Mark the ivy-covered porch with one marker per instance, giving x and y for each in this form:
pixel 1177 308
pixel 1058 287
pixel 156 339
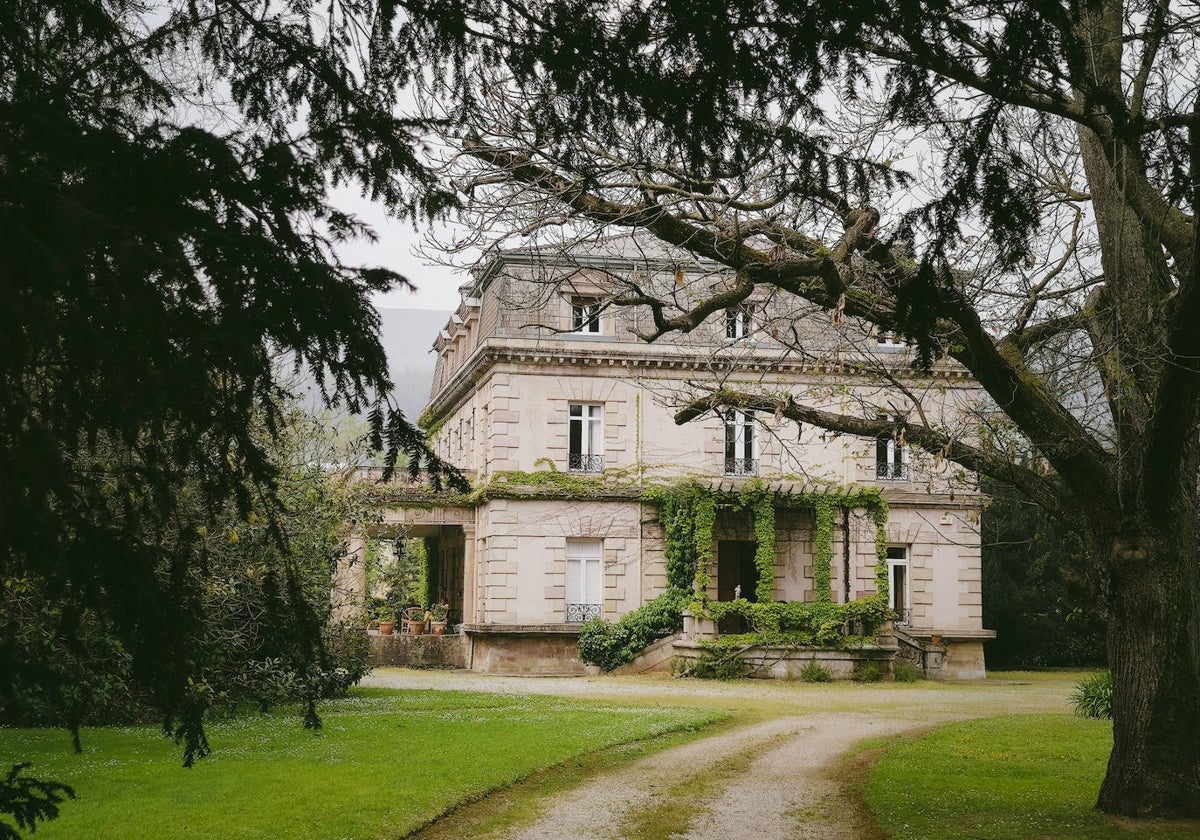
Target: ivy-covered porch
pixel 742 595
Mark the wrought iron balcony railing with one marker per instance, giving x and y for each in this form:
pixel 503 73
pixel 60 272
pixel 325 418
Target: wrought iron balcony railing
pixel 892 472
pixel 579 613
pixel 903 617
pixel 741 466
pixel 585 463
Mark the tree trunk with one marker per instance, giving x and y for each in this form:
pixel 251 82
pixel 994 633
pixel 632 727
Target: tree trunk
pixel 1154 652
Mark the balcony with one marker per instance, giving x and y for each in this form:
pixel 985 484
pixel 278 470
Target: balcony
pixel 890 472
pixel 579 613
pixel 741 466
pixel 585 463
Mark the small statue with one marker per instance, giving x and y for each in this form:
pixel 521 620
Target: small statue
pixel 737 592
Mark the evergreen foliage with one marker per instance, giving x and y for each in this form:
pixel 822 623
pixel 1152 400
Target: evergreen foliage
pixel 168 242
pixel 1037 588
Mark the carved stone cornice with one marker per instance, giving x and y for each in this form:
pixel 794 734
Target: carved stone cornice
pixel 853 369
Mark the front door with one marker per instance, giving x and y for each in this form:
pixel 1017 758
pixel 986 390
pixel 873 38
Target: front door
pixel 736 576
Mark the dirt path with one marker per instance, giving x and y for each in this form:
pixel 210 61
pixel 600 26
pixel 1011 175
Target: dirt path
pixel 597 807
pixel 773 779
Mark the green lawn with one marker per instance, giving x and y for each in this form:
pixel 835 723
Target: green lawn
pixel 1021 777
pixel 384 763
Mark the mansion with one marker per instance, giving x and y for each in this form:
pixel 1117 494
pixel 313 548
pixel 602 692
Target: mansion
pixel 564 419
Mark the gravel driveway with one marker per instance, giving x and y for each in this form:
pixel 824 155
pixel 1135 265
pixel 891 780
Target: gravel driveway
pixel 784 788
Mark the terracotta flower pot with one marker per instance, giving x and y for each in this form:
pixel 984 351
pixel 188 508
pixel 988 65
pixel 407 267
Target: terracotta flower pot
pixel 387 628
pixel 437 628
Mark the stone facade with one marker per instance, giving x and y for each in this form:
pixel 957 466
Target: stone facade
pixel 515 381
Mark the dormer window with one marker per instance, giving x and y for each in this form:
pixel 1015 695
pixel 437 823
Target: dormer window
pixel 890 339
pixel 739 321
pixel 585 315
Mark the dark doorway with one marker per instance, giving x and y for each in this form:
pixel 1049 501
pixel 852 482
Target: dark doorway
pixel 735 567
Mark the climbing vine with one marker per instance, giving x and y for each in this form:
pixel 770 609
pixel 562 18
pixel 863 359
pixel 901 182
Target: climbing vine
pixel 688 514
pixel 823 549
pixel 756 498
pixel 880 515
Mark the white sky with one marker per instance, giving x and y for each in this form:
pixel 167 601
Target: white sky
pixel 437 285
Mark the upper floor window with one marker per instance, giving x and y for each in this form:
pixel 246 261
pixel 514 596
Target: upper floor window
pixel 585 315
pixel 739 321
pixel 585 439
pixel 890 462
pixel 740 456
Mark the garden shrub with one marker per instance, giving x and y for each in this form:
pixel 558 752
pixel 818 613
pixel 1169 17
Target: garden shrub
pixel 1093 697
pixel 819 624
pixel 866 672
pixel 716 666
pixel 906 672
pixel 815 672
pixel 611 645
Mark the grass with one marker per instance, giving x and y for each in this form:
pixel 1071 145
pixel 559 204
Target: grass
pixel 1021 777
pixel 385 763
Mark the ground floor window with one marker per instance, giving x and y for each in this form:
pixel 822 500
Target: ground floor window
pixel 898 591
pixel 585 579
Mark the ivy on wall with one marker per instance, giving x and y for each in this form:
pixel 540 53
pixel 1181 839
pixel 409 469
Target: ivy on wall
pixel 763 509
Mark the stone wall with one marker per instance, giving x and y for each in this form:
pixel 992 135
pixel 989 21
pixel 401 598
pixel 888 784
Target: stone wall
pixel 424 651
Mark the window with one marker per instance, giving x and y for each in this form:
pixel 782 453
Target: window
pixel 897 566
pixel 739 321
pixel 585 579
pixel 739 444
pixel 585 445
pixel 889 338
pixel 889 452
pixel 585 315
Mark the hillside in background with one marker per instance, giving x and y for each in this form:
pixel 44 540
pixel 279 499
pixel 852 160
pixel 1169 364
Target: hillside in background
pixel 408 336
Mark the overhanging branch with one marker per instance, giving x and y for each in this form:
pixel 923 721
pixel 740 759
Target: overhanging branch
pixel 978 460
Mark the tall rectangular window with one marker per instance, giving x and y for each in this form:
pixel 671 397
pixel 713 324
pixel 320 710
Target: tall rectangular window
pixel 585 315
pixel 585 579
pixel 739 444
pixel 898 596
pixel 890 462
pixel 739 321
pixel 585 443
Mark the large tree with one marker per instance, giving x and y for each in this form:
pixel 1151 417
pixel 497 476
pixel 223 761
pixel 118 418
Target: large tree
pixel 1010 185
pixel 166 235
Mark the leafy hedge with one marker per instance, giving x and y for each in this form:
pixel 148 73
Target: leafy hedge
pixel 819 624
pixel 612 645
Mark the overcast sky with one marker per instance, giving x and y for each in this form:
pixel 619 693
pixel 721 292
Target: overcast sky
pixel 437 286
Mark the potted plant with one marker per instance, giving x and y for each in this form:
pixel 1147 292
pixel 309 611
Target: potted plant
pixel 437 619
pixel 414 620
pixel 387 620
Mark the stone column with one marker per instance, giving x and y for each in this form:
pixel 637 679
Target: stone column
pixel 350 581
pixel 470 607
